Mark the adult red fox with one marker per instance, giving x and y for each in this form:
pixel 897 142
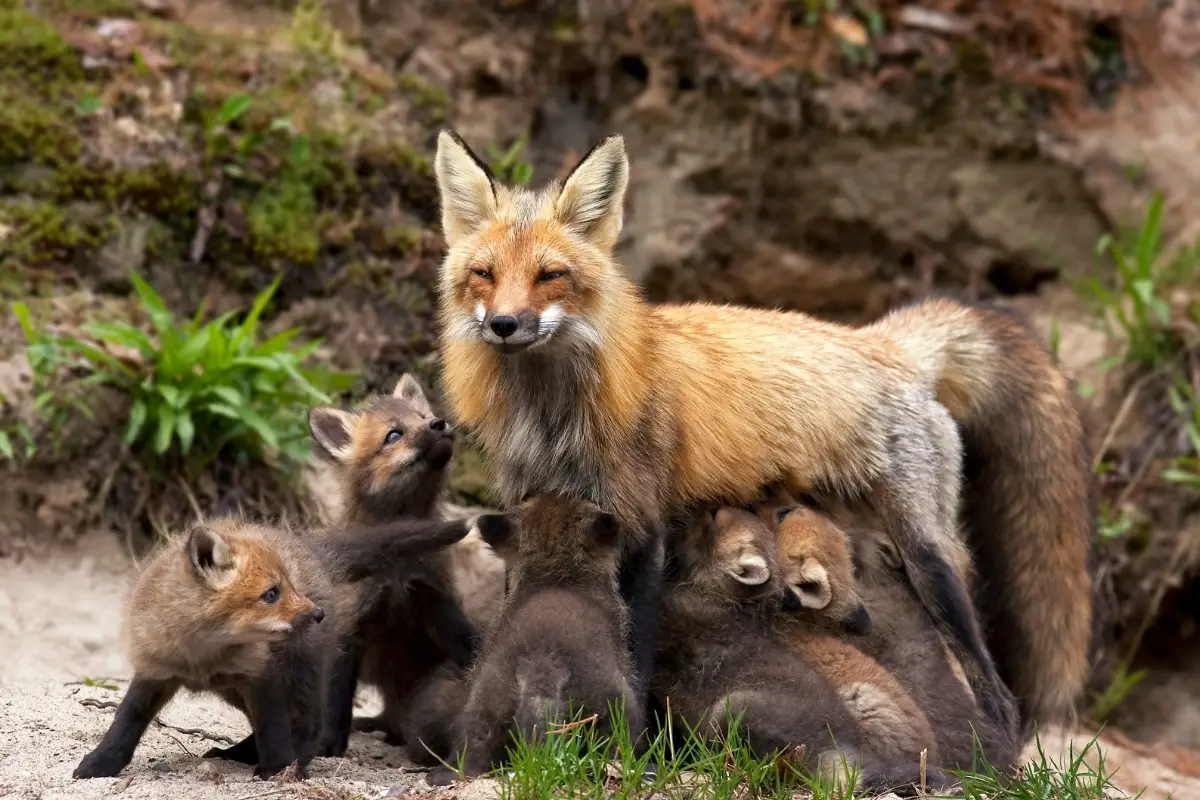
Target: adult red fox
pixel 572 382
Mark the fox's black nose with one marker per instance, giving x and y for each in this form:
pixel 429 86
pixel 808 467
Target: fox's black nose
pixel 504 326
pixel 318 614
pixel 438 425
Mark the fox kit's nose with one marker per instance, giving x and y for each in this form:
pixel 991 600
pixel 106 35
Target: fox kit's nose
pixel 317 614
pixel 438 425
pixel 504 326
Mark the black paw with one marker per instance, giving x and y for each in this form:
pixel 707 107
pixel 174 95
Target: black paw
pixel 97 764
pixel 441 776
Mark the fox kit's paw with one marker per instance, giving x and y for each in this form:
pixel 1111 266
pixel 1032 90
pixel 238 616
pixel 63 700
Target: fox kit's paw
pixel 244 752
pixel 442 776
pixel 265 771
pixel 98 764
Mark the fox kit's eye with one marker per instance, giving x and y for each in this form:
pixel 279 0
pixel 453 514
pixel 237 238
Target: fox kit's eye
pixel 550 275
pixel 271 596
pixel 393 436
pixel 481 273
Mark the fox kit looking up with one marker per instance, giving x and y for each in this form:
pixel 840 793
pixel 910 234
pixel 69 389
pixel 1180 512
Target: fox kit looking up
pixel 403 631
pixel 573 382
pixel 560 641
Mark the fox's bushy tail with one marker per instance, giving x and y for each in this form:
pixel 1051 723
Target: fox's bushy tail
pixel 1028 492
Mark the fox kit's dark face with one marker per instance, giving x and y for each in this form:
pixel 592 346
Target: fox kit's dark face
pixel 815 560
pixel 552 536
pixel 247 586
pixel 523 267
pixel 388 443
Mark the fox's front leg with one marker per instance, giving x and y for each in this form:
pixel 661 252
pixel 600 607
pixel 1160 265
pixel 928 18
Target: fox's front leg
pixel 142 702
pixel 267 703
pixel 641 589
pixel 339 698
pixel 308 681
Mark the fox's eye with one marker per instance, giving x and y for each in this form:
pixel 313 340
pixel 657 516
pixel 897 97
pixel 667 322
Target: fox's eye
pixel 393 436
pixel 482 273
pixel 271 596
pixel 550 276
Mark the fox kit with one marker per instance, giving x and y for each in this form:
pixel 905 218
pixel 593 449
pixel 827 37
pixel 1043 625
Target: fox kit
pixel 573 382
pixel 401 632
pixel 559 644
pixel 721 654
pixel 922 676
pixel 238 609
pixel 816 566
pixel 245 610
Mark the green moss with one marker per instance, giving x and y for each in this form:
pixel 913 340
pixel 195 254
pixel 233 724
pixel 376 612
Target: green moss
pixel 32 47
pixel 35 128
pixel 285 223
pixel 43 233
pixel 430 97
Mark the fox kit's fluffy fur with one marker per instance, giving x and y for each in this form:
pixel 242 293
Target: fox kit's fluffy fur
pixel 406 633
pixel 722 655
pixel 923 675
pixel 238 609
pixel 816 567
pixel 558 645
pixel 247 611
pixel 573 382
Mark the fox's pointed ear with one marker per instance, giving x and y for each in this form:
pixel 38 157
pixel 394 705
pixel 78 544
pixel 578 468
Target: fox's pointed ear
pixel 407 388
pixel 467 186
pixel 592 200
pixel 330 429
pixel 211 557
pixel 499 531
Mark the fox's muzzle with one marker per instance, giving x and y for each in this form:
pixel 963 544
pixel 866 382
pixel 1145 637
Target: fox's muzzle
pixel 512 332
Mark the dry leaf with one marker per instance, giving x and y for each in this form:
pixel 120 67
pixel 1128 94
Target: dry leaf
pixel 848 29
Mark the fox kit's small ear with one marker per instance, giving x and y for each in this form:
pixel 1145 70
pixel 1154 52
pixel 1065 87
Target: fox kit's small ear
pixel 212 560
pixel 813 589
pixel 330 429
pixel 751 569
pixel 606 529
pixel 499 531
pixel 407 388
pixel 592 200
pixel 467 186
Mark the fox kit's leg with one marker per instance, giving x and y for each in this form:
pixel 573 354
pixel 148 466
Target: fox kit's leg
pixel 908 500
pixel 339 699
pixel 268 703
pixel 641 589
pixel 308 677
pixel 449 627
pixel 143 700
pixel 244 752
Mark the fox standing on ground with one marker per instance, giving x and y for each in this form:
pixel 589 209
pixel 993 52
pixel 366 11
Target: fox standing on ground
pixel 573 382
pixel 245 610
pixel 405 633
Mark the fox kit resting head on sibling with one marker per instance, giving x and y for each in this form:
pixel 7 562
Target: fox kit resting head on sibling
pixel 574 383
pixel 559 644
pixel 239 609
pixel 405 633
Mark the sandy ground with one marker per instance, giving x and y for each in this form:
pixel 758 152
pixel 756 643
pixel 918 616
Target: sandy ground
pixel 61 620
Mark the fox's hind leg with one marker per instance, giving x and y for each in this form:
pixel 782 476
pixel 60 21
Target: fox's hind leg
pixel 910 500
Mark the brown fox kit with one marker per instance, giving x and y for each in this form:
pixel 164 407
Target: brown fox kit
pixel 573 382
pixel 401 632
pixel 243 610
pixel 721 656
pixel 915 687
pixel 820 591
pixel 559 645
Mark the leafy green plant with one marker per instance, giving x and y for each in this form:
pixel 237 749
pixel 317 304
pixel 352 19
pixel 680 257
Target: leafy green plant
pixel 1119 686
pixel 195 388
pixel 507 164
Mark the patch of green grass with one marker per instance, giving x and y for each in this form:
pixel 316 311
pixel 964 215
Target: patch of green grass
pixel 194 388
pixel 574 760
